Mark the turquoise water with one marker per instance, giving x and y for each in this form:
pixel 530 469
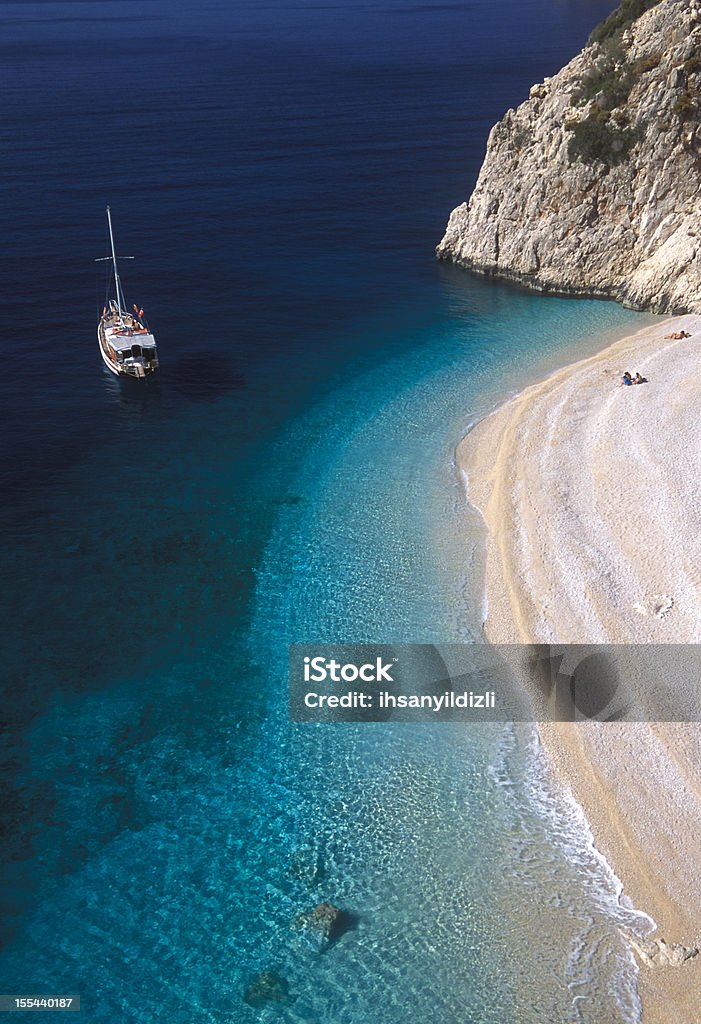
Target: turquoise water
pixel 378 544
pixel 282 171
pixel 478 887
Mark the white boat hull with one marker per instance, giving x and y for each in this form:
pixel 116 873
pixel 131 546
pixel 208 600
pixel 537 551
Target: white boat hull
pixel 131 365
pixel 105 358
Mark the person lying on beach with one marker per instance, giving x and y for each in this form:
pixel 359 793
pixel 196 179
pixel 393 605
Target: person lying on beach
pixel 678 335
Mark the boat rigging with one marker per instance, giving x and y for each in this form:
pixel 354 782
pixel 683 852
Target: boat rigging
pixel 127 346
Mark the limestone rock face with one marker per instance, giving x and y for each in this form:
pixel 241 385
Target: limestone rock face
pixel 593 185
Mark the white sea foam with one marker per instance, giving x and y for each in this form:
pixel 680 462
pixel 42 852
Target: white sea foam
pixel 556 852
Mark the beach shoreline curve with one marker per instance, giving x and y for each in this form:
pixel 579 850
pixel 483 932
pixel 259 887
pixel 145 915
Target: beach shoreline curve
pixel 586 492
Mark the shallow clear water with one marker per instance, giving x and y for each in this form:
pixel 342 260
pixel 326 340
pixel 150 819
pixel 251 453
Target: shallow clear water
pixel 283 172
pixel 381 546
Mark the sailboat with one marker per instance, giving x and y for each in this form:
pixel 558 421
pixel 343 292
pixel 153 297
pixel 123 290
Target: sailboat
pixel 127 346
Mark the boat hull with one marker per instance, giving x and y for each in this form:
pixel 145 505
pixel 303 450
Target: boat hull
pixel 105 358
pixel 133 367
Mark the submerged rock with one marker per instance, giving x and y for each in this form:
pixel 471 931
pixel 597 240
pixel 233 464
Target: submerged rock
pixel 658 953
pixel 307 865
pixel 591 187
pixel 325 924
pixel 267 987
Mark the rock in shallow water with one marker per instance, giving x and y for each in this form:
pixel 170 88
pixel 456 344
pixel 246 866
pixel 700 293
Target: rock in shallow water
pixel 658 953
pixel 325 924
pixel 307 865
pixel 266 988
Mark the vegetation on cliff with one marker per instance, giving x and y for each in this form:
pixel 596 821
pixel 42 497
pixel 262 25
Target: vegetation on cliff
pixel 619 20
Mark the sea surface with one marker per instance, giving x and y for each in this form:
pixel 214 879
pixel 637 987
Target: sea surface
pixel 281 171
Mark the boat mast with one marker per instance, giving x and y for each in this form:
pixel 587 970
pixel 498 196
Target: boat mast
pixel 114 263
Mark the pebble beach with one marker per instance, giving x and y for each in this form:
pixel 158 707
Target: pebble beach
pixel 589 492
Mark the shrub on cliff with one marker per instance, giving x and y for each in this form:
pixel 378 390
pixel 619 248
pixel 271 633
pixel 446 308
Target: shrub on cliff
pixel 645 64
pixel 620 19
pixel 597 138
pixel 612 75
pixel 615 82
pixel 685 108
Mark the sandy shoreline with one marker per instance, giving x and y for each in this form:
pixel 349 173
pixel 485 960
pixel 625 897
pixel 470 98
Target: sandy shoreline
pixel 588 492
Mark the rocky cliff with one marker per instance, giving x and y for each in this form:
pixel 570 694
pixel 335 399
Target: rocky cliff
pixel 593 185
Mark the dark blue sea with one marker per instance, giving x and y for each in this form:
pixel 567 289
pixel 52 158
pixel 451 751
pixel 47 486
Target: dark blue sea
pixel 281 171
